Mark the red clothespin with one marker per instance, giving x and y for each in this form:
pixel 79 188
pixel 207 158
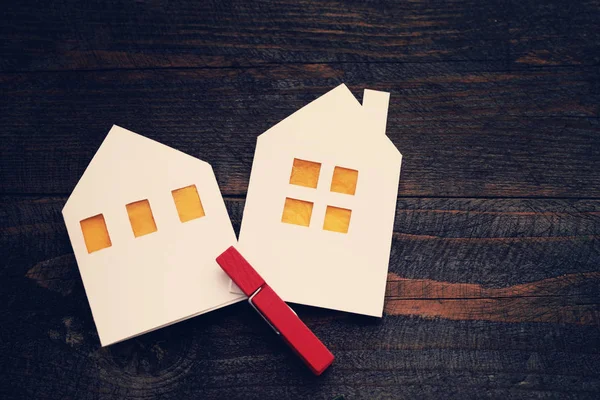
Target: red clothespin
pixel 276 312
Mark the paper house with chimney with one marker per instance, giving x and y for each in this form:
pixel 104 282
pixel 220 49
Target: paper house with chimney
pixel 321 202
pixel 146 223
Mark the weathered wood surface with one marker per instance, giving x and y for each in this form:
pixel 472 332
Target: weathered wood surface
pixel 114 34
pixel 470 313
pixel 494 282
pixel 466 129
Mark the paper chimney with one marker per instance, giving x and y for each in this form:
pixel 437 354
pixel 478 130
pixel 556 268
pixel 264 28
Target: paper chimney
pixel 321 202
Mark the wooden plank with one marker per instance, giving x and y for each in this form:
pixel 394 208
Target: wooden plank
pixel 553 33
pixel 523 325
pixel 465 129
pixel 442 248
pixel 52 352
pixel 494 242
pixel 112 34
pixel 231 352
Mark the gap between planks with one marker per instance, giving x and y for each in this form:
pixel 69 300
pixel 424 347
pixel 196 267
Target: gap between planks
pixel 512 66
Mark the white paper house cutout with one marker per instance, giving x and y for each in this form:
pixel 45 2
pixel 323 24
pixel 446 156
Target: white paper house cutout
pixel 139 284
pixel 311 265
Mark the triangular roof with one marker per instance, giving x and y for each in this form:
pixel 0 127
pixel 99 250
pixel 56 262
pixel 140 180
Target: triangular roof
pixel 337 115
pixel 124 157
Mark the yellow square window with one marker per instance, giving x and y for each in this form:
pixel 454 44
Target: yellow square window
pixel 188 203
pixel 344 180
pixel 297 212
pixel 305 173
pixel 95 234
pixel 141 218
pixel 337 219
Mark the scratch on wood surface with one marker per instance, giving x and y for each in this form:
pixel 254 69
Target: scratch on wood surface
pixel 547 300
pixel 543 57
pixel 57 274
pixel 70 332
pixel 498 239
pixel 561 299
pixel 72 335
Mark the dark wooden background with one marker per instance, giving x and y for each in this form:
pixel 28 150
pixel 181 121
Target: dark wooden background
pixel 494 283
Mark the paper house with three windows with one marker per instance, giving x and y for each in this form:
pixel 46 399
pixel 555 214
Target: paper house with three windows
pixel 146 223
pixel 321 202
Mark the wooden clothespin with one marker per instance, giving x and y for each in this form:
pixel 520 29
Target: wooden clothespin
pixel 276 312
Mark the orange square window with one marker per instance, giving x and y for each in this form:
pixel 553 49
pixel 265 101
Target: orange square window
pixel 305 173
pixel 337 219
pixel 297 212
pixel 141 218
pixel 188 203
pixel 95 233
pixel 344 180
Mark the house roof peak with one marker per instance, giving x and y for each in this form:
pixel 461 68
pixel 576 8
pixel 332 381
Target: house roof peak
pixel 375 104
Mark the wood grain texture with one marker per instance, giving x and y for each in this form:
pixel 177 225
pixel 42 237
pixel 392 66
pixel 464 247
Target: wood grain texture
pixel 493 290
pixel 500 317
pixel 157 34
pixel 466 129
pixel 540 301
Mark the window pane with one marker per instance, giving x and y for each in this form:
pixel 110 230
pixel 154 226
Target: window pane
pixel 337 219
pixel 305 173
pixel 141 218
pixel 95 233
pixel 344 180
pixel 297 212
pixel 188 203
